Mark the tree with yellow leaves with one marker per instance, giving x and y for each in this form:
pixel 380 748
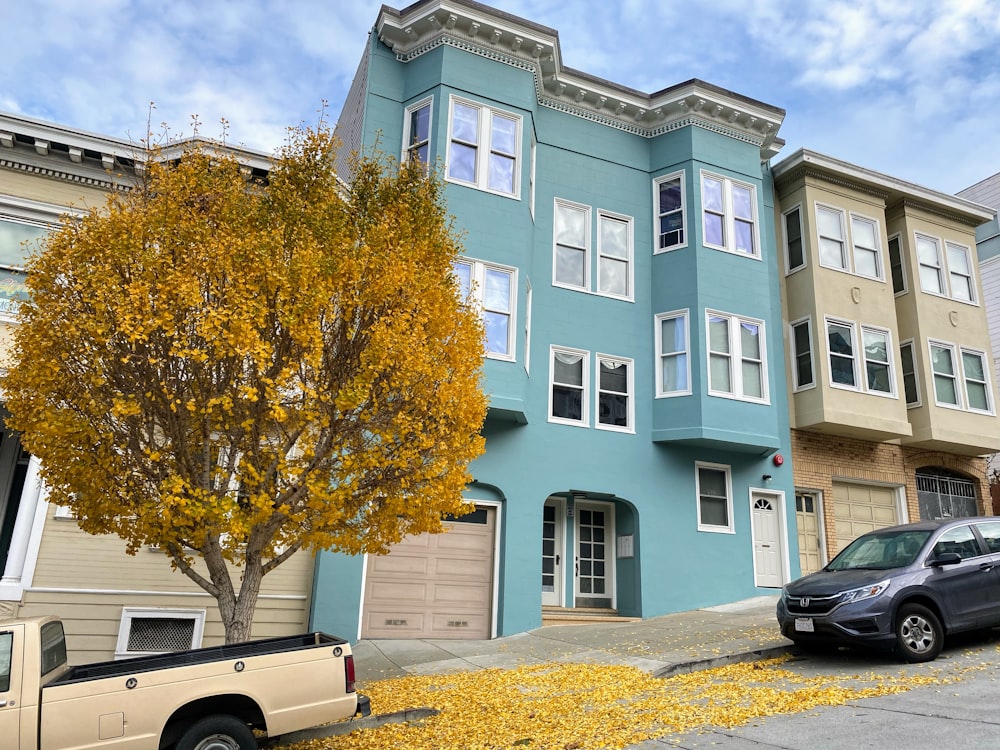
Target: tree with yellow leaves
pixel 239 369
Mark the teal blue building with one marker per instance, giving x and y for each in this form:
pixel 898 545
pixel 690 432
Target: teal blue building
pixel 622 248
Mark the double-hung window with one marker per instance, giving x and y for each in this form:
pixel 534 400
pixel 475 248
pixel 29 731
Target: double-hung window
pixel 715 498
pixel 673 376
pixel 977 385
pixel 668 197
pixel 950 275
pixel 929 259
pixel 795 257
pixel 571 261
pixel 943 366
pixel 729 215
pixel 483 147
pixel 417 132
pixel 961 377
pixel 614 255
pixel 736 357
pixel 492 288
pixel 843 356
pixel 865 256
pixel 615 405
pixel 568 386
pixel 896 264
pixel 802 357
pixel 960 272
pixel 878 362
pixel 911 387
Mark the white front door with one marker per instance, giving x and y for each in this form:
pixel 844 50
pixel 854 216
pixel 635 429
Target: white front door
pixel 553 520
pixel 594 574
pixel 766 541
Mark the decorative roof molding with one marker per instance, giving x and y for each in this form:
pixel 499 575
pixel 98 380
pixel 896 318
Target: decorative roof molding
pixel 896 193
pixel 514 41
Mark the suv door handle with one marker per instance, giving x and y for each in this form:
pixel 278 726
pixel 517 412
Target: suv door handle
pixel 985 566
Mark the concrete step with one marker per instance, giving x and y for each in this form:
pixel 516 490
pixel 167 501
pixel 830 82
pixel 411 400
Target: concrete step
pixel 581 615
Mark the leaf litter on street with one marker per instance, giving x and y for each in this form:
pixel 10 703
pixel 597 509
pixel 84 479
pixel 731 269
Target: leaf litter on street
pixel 599 706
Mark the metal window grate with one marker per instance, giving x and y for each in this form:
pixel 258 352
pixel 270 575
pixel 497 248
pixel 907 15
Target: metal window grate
pixel 158 634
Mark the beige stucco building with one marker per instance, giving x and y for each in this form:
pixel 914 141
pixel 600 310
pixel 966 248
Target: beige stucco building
pixel 113 605
pixel 892 399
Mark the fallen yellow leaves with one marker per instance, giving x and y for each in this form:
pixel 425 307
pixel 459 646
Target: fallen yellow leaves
pixel 589 706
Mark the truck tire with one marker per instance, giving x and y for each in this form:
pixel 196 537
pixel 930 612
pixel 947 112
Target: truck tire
pixel 218 732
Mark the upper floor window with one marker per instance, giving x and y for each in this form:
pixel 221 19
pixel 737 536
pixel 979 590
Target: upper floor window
pixel 949 276
pixel 568 386
pixel 864 258
pixel 896 265
pixel 483 147
pixel 843 359
pixel 492 288
pixel 961 377
pixel 615 405
pixel 571 261
pixel 17 238
pixel 729 215
pixel 668 193
pixel 874 361
pixel 673 376
pixel 878 362
pixel 736 357
pixel 794 251
pixel 417 132
pixel 911 387
pixel 802 357
pixel 715 498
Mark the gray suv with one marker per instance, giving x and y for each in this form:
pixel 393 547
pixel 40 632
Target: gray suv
pixel 902 587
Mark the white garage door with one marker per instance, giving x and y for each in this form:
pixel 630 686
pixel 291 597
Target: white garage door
pixel 859 508
pixel 434 585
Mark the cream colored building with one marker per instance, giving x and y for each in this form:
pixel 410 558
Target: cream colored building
pixel 892 398
pixel 113 605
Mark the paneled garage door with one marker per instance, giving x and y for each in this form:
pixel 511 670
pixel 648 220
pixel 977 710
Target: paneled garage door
pixel 434 585
pixel 859 508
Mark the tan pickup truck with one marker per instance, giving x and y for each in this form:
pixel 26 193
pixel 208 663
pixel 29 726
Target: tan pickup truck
pixel 222 698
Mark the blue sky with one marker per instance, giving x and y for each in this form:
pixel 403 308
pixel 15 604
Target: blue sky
pixel 905 87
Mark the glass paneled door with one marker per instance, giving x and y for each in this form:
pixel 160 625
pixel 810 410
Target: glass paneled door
pixel 594 575
pixel 553 520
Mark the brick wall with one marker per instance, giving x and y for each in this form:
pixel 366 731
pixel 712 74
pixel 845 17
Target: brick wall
pixel 819 459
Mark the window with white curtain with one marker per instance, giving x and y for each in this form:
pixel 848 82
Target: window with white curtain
pixel 673 376
pixel 615 407
pixel 736 357
pixel 571 258
pixel 568 386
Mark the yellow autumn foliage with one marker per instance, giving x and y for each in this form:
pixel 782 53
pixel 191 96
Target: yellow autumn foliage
pixel 239 368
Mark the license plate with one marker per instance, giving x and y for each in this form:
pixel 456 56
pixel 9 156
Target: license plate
pixel 804 625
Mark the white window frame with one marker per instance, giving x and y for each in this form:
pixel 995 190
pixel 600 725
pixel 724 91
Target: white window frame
pixel 736 357
pixel 987 382
pixel 484 145
pixel 527 325
pixel 898 238
pixel 938 267
pixel 969 280
pixel 852 326
pixel 683 315
pixel 629 223
pixel 912 346
pixel 130 614
pixel 888 364
pixel 477 274
pixel 427 102
pixel 877 250
pixel 560 203
pixel 728 215
pixel 956 374
pixel 712 528
pixel 680 177
pixel 584 420
pixel 785 216
pixel 821 208
pixel 807 322
pixel 849 245
pixel 629 394
pixel 532 157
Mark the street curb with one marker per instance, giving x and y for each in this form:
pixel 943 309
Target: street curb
pixel 720 661
pixel 343 727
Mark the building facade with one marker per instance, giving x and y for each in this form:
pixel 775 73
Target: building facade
pixel 621 247
pixel 112 605
pixel 891 377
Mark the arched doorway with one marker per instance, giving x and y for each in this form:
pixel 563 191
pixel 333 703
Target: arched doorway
pixel 942 493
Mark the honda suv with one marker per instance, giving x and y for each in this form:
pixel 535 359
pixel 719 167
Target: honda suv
pixel 903 587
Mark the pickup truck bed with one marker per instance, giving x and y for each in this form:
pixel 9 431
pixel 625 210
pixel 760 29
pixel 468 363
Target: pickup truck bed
pixel 102 669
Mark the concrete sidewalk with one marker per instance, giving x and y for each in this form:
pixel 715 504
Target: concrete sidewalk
pixel 660 645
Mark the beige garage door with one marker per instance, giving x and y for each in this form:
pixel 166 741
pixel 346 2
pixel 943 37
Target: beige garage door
pixel 859 508
pixel 434 585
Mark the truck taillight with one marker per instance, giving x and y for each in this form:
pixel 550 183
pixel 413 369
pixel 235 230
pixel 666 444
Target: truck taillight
pixel 349 673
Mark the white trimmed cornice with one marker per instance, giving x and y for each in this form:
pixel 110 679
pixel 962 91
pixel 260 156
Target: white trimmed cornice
pixel 514 41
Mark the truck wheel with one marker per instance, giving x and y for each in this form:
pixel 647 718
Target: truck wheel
pixel 219 732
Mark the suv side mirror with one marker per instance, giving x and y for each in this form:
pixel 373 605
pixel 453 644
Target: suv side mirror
pixel 945 558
